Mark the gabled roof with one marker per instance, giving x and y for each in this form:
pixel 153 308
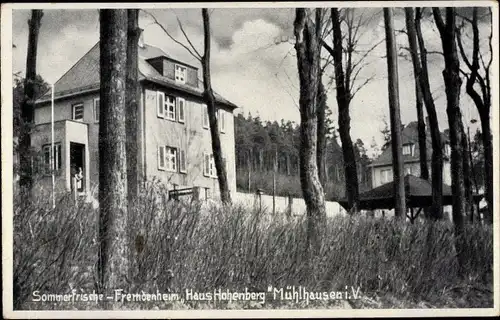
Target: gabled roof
pixel 84 76
pixel 408 136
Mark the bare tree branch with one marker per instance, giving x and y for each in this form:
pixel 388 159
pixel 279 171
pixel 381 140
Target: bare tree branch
pixel 367 80
pixel 170 36
pixel 367 52
pixel 187 38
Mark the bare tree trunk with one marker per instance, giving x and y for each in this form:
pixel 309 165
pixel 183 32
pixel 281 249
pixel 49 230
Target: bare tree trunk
pixel 321 110
pixel 482 102
pixel 488 162
pixel 417 73
pixel 113 262
pixel 467 175
pixel 249 162
pixel 133 95
pixel 343 100
pixel 307 34
pixel 28 105
pixel 212 110
pixel 437 149
pixel 453 82
pixel 397 156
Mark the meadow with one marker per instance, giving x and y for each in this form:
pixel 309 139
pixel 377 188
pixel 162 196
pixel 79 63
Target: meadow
pixel 179 245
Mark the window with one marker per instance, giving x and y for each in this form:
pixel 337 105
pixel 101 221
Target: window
pixel 182 161
pixel 170 108
pixel 180 73
pixel 407 170
pixel 47 158
pixel 209 166
pixel 78 112
pixel 181 110
pixel 160 104
pixel 167 159
pixel 447 149
pixel 97 104
pixel 385 175
pixel 206 123
pixel 222 121
pixel 171 159
pixel 161 158
pixel 408 149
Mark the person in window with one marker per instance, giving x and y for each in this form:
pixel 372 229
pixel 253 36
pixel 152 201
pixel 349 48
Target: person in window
pixel 79 179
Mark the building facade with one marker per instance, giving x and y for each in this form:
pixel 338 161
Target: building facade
pixel 174 141
pixel 382 166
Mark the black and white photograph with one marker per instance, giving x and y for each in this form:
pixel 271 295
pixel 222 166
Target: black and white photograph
pixel 244 160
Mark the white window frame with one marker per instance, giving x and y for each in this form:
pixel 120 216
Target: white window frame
pixel 170 107
pixel 160 105
pixel 222 120
pixel 96 109
pixel 408 149
pixel 180 73
pixel 182 161
pixel 204 116
pixel 211 171
pixel 57 165
pixel 181 105
pixel 171 160
pixel 161 158
pixel 73 112
pixel 385 175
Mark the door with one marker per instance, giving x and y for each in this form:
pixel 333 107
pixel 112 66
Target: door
pixel 77 163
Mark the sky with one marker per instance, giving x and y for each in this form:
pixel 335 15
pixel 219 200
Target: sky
pixel 249 66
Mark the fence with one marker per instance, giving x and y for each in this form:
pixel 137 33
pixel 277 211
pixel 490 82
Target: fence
pixel 296 206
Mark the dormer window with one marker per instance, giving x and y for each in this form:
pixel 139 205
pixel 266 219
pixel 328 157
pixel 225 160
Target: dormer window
pixel 408 149
pixel 180 73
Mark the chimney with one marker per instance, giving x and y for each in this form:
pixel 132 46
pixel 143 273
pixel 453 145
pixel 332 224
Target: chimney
pixel 141 38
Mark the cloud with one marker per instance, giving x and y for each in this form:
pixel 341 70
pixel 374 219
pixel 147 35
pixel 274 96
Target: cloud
pixel 248 68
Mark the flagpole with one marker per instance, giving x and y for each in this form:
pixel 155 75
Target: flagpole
pixel 52 149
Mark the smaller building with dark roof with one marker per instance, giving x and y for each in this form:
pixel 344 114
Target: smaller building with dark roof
pixel 382 166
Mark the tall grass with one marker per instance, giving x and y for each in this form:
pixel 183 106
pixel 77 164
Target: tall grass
pixel 182 245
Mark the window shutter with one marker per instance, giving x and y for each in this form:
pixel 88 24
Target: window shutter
pixel 160 104
pixel 161 158
pixel 181 110
pixel 213 171
pixel 206 164
pixel 58 158
pixel 97 104
pixel 206 124
pixel 182 161
pixel 222 122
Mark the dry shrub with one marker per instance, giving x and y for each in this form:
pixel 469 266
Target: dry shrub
pixel 179 245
